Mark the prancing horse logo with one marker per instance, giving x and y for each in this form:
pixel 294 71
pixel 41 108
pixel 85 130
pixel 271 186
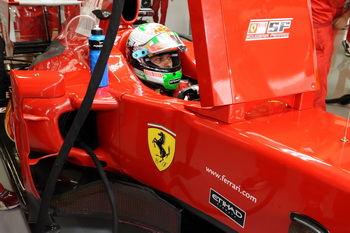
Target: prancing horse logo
pixel 161 144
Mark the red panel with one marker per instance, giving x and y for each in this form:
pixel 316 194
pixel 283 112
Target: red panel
pixel 249 53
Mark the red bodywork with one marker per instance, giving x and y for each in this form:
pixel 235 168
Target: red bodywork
pixel 254 141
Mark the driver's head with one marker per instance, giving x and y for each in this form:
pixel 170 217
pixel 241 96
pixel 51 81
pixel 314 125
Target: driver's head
pixel 162 60
pixel 152 49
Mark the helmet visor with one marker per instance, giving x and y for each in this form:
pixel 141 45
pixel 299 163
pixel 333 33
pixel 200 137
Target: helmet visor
pixel 164 42
pixel 176 62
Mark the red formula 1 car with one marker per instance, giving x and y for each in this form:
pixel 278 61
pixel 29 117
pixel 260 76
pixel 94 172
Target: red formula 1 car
pixel 252 155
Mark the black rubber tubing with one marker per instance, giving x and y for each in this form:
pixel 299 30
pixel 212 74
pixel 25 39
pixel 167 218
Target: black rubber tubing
pixel 106 184
pixel 81 116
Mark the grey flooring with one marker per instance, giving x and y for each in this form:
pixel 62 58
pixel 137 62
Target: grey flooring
pixel 11 221
pixel 339 77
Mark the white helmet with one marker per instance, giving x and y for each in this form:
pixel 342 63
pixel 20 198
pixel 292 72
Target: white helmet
pixel 153 39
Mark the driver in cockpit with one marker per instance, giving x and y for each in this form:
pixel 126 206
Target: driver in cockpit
pixel 153 52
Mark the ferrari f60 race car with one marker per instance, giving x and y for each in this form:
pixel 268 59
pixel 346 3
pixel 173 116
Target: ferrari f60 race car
pixel 252 155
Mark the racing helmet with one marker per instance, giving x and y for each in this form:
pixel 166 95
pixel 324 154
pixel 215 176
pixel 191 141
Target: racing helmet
pixel 152 39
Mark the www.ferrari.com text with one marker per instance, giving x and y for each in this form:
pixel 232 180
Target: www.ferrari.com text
pixel 226 181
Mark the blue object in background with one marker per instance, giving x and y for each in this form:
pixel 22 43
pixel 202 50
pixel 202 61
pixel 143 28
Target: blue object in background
pixel 95 44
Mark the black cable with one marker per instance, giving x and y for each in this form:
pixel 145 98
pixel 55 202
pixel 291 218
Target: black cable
pixel 105 183
pixel 82 113
pixel 343 100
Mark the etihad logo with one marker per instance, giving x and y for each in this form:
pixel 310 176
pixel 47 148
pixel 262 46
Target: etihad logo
pixel 227 207
pixel 266 29
pixel 161 144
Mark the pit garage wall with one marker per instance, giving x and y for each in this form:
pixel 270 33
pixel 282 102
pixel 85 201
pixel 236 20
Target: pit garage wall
pixel 178 18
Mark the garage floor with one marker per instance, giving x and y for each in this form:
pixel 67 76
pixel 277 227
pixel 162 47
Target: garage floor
pixel 13 221
pixel 339 77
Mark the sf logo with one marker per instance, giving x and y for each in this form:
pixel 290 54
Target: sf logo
pixel 278 26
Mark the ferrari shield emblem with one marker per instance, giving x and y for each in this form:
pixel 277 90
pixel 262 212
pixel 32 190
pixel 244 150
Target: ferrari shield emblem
pixel 161 144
